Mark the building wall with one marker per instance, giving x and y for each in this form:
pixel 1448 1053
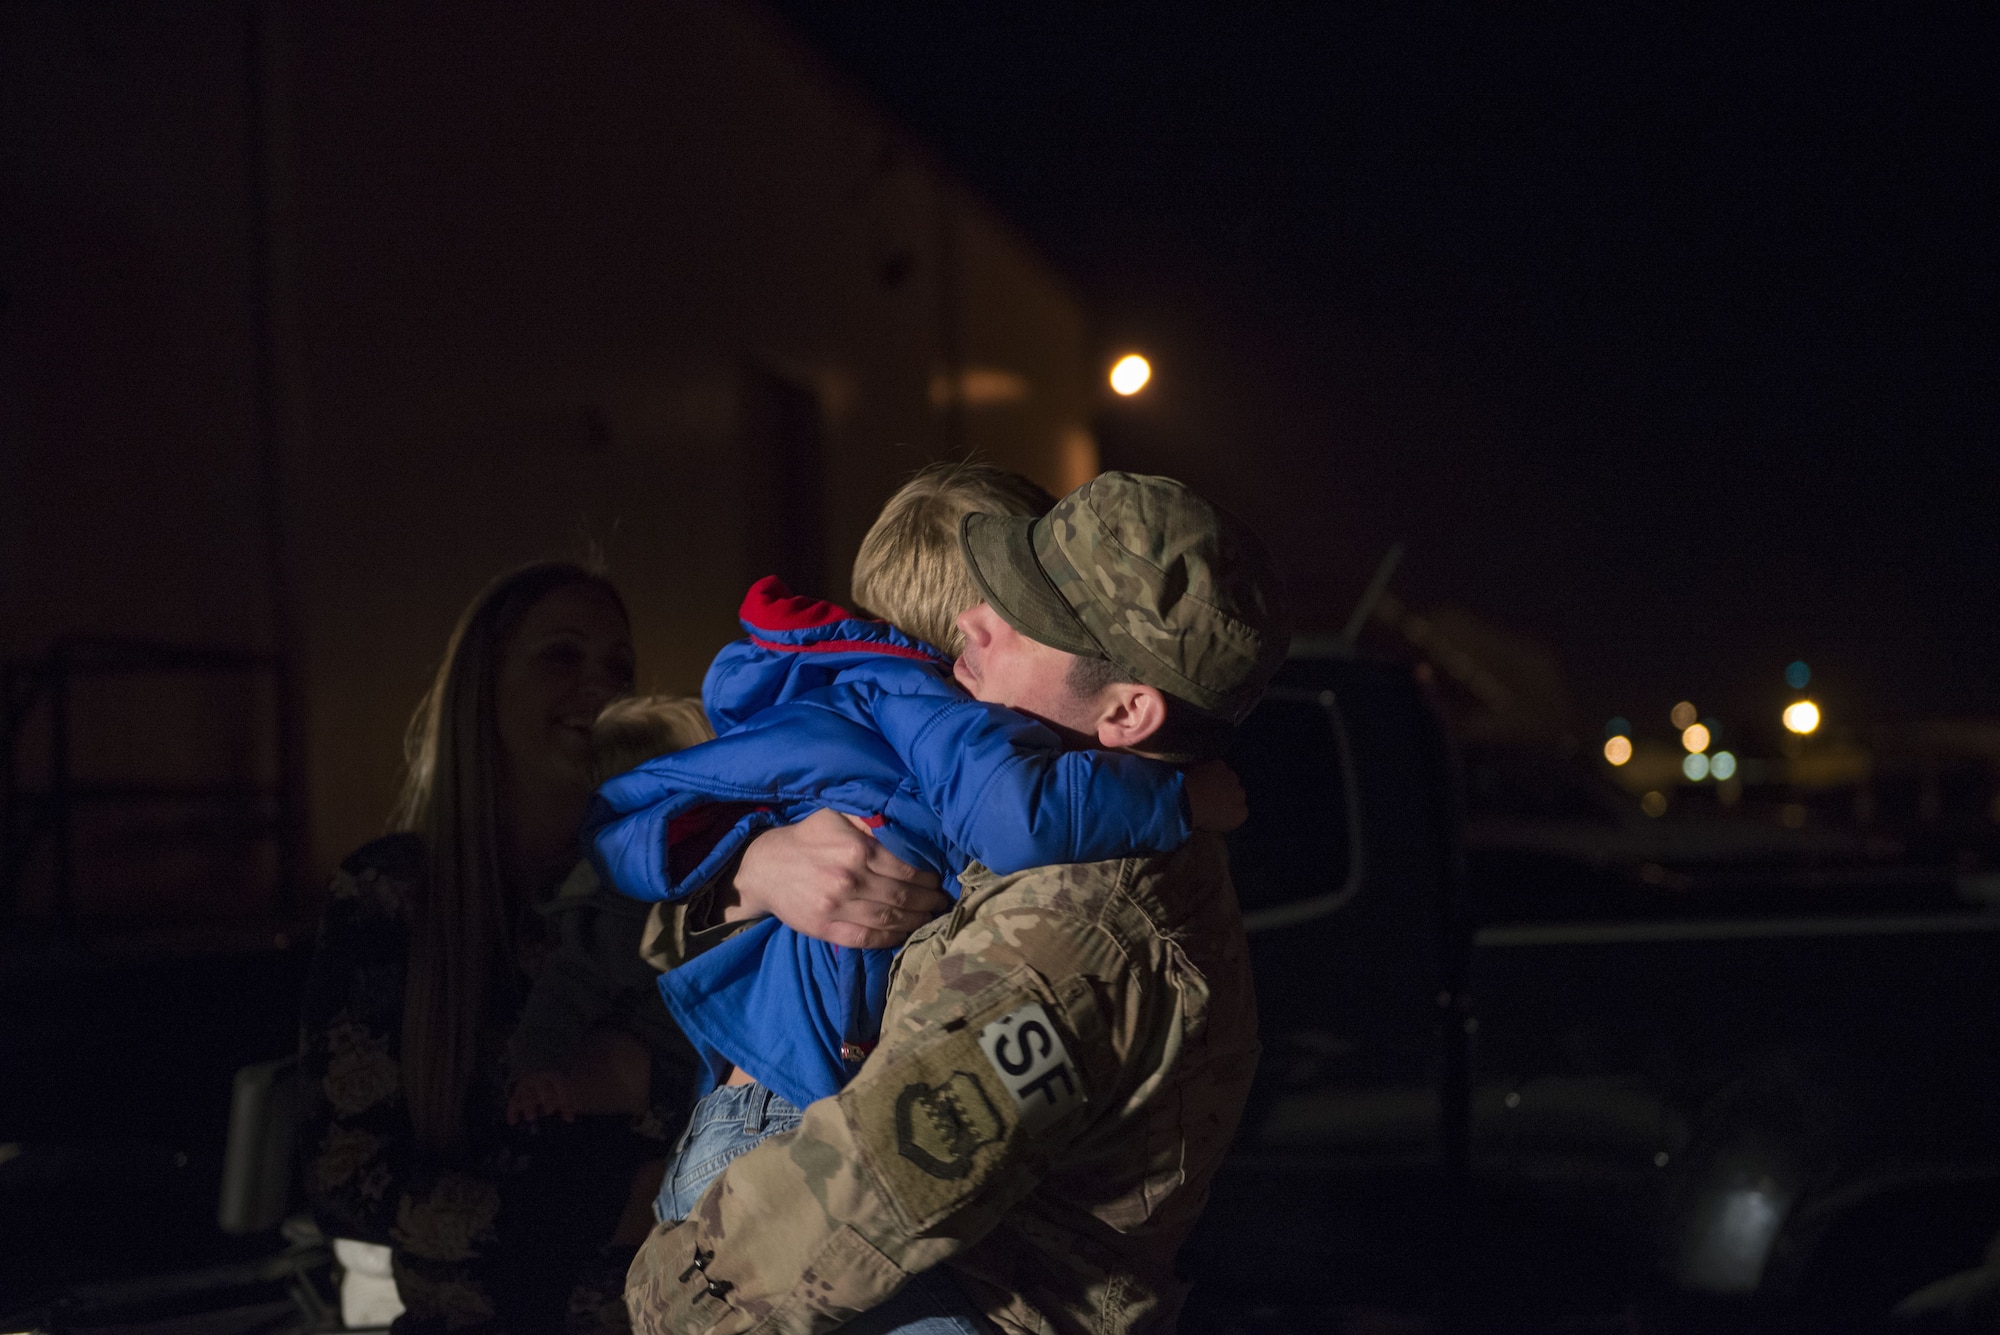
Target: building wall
pixel 541 285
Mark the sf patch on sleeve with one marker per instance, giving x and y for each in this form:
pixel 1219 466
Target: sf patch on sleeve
pixel 1028 1056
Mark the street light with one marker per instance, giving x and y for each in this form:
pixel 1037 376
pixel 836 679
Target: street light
pixel 1130 374
pixel 1801 717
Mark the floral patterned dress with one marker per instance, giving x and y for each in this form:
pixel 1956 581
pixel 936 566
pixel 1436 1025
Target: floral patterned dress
pixel 508 1236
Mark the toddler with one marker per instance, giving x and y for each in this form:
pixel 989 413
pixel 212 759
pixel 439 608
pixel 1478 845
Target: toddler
pixel 596 971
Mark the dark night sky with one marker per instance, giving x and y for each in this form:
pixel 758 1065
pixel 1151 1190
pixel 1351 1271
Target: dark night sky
pixel 1670 341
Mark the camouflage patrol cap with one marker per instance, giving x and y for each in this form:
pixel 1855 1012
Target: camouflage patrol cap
pixel 1141 571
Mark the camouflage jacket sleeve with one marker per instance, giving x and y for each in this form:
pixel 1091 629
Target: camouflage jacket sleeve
pixel 995 1057
pixel 676 932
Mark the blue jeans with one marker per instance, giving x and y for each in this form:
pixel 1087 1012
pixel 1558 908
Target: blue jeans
pixel 730 1119
pixel 726 1122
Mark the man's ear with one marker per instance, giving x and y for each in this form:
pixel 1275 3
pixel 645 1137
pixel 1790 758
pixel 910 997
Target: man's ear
pixel 1131 714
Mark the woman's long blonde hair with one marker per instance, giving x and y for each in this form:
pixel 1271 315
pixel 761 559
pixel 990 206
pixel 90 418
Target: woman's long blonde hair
pixel 462 935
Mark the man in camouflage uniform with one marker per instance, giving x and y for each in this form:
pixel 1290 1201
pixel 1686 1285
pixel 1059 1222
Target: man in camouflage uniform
pixel 1066 1053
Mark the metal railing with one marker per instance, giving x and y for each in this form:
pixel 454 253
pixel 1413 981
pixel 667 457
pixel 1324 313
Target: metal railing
pixel 38 814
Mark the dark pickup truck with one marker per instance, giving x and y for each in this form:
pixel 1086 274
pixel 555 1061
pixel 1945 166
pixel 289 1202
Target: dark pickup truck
pixel 1480 1107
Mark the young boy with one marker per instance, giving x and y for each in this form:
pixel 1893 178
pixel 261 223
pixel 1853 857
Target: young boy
pixel 596 970
pixel 819 708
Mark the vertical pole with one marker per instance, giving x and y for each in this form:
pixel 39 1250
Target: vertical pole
pixel 291 813
pixel 59 791
pixel 1455 1130
pixel 1458 1233
pixel 10 787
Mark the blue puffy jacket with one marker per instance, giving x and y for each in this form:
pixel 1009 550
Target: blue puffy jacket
pixel 819 708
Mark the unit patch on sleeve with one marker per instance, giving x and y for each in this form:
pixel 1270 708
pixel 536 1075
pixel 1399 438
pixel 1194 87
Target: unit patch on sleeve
pixel 1029 1057
pixel 941 1128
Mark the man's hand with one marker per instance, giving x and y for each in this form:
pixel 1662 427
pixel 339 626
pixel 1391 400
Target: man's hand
pixel 828 878
pixel 1215 797
pixel 540 1094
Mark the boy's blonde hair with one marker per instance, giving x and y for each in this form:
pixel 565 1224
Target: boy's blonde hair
pixel 639 727
pixel 910 571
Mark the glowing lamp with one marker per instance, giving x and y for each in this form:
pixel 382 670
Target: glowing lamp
pixel 1618 749
pixel 1695 738
pixel 1801 717
pixel 1130 374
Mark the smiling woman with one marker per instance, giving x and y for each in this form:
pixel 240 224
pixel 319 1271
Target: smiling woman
pixel 500 775
pixel 432 939
pixel 571 655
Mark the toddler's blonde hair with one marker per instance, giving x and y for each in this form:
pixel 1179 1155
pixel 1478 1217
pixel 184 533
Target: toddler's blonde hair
pixel 910 571
pixel 639 727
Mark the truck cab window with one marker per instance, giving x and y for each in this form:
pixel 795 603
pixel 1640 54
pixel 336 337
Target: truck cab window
pixel 1295 857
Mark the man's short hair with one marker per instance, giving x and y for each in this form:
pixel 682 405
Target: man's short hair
pixel 1140 573
pixel 910 570
pixel 1186 736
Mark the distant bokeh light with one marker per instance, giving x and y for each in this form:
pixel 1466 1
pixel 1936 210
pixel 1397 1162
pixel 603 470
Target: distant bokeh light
pixel 1695 737
pixel 1130 374
pixel 1618 749
pixel 1802 716
pixel 1684 714
pixel 1618 727
pixel 1798 676
pixel 1654 804
pixel 1695 766
pixel 1722 765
